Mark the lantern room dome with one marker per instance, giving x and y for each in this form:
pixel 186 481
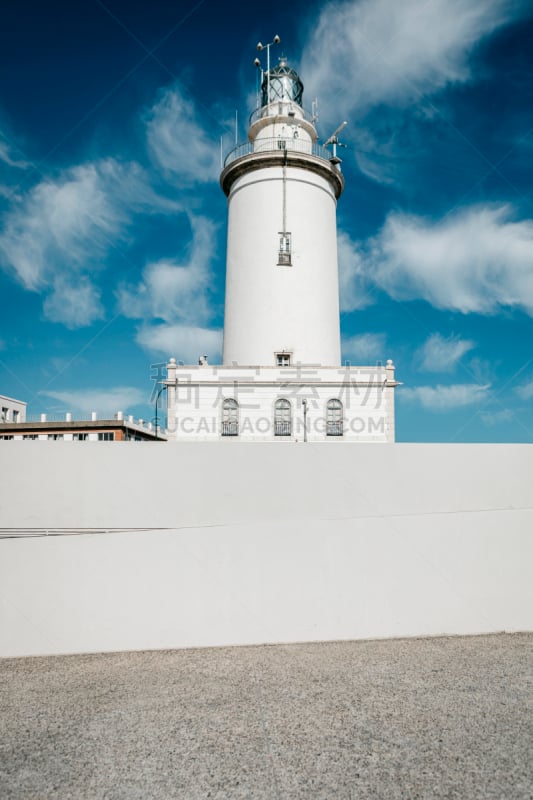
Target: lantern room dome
pixel 281 83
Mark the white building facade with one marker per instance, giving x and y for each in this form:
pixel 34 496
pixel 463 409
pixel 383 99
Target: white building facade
pixel 12 410
pixel 281 375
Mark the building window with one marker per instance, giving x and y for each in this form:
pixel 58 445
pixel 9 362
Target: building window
pixel 4 414
pixel 284 255
pixel 31 436
pixel 55 436
pixel 80 437
pixel 283 359
pixel 6 436
pixel 230 417
pixel 106 436
pixel 282 418
pixel 334 421
pixel 16 415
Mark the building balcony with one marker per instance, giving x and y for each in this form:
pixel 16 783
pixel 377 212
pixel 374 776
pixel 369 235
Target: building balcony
pixel 230 428
pixel 282 428
pixel 334 428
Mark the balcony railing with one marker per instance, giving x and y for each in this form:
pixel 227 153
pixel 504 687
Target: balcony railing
pixel 334 428
pixel 282 428
pixel 230 428
pixel 274 145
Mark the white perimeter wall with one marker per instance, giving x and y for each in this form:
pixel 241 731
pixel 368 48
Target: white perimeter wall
pixel 260 543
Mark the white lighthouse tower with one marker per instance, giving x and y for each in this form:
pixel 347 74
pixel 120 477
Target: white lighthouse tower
pixel 282 289
pixel 281 376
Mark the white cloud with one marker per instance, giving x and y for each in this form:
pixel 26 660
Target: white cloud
pixel 353 280
pixel 374 52
pixel 525 392
pixel 441 354
pixel 178 141
pixel 491 418
pixel 58 235
pixel 174 291
pixel 74 303
pixel 366 348
pixel 476 260
pixel 177 292
pixel 445 398
pixel 184 342
pixel 106 402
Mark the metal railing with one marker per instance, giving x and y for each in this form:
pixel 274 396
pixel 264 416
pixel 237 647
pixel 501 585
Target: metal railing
pixel 274 145
pixel 282 428
pixel 334 428
pixel 230 428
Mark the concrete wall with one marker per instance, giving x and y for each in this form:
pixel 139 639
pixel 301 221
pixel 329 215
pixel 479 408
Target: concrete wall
pixel 261 543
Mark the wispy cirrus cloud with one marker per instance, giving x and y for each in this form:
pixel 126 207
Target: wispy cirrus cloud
pixel 441 354
pixel 184 342
pixel 178 140
pixel 445 398
pixel 383 52
pixel 55 239
pixel 9 157
pixel 177 292
pixel 175 289
pixel 475 260
pixel 364 348
pixel 381 63
pixel 354 283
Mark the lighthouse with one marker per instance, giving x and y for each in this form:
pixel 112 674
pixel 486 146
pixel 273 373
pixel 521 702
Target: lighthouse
pixel 282 287
pixel 281 377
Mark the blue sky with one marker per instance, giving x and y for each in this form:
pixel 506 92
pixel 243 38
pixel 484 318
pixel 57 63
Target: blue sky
pixel 112 222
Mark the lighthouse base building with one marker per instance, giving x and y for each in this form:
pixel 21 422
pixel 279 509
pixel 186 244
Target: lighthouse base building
pixel 298 403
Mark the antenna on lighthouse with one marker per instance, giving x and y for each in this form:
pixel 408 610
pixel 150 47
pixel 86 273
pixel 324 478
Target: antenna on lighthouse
pixel 260 46
pixel 334 140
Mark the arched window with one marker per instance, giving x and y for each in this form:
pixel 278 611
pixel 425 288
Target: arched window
pixel 230 417
pixel 282 418
pixel 334 422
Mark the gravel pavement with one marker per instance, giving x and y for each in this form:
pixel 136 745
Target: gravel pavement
pixel 412 718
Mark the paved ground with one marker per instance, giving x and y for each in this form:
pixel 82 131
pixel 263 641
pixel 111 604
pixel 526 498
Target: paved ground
pixel 426 718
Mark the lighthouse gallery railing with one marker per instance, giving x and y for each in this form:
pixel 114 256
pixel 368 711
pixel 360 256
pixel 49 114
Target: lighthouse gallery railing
pixel 275 145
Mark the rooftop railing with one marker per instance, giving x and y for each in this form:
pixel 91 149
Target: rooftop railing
pixel 275 145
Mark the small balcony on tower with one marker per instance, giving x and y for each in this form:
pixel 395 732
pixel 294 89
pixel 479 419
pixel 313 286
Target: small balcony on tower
pixel 278 144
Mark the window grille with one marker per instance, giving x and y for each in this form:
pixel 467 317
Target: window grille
pixel 334 421
pixel 282 418
pixel 230 417
pixel 106 436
